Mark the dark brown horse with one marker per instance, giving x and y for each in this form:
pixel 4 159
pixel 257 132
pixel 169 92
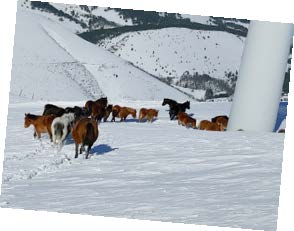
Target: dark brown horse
pixel 96 109
pixel 115 110
pixel 50 109
pixel 107 113
pixel 42 124
pixel 85 133
pixel 78 111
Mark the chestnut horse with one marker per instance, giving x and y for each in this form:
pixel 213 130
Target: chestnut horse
pixel 186 120
pixel 42 124
pixel 148 113
pixel 210 126
pixel 214 119
pixel 85 133
pixel 125 111
pixel 222 119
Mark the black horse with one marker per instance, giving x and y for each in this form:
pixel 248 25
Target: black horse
pixel 78 111
pixel 175 107
pixel 50 109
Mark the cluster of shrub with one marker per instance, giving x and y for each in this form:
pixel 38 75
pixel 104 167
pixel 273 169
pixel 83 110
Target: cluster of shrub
pixel 214 88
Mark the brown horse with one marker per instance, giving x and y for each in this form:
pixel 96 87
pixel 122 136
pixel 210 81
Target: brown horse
pixel 42 124
pixel 125 111
pixel 107 113
pixel 186 120
pixel 96 109
pixel 85 133
pixel 223 121
pixel 148 113
pixel 210 126
pixel 217 117
pixel 115 111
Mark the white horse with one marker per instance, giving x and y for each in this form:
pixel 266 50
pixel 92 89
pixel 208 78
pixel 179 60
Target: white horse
pixel 61 127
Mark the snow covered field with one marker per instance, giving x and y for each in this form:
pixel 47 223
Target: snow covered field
pixel 159 171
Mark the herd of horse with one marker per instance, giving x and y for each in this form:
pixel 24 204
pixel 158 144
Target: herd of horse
pixel 82 122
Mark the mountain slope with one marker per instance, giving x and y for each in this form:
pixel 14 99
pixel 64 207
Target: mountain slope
pixel 52 63
pixel 117 78
pixel 170 52
pixel 42 70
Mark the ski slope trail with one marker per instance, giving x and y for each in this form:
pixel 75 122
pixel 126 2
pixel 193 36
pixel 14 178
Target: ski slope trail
pixel 159 171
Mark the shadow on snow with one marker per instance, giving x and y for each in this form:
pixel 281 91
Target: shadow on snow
pixel 101 149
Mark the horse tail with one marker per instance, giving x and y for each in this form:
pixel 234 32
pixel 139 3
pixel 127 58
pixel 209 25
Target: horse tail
pixel 58 132
pixel 89 138
pixel 194 124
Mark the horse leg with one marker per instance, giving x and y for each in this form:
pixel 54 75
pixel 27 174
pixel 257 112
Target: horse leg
pixel 149 119
pixel 38 134
pixel 50 134
pixel 77 150
pixel 88 151
pixel 172 116
pixel 152 119
pixel 82 148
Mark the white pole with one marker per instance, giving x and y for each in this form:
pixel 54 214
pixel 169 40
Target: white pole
pixel 261 75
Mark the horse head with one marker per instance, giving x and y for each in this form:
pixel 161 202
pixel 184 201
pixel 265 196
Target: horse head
pixel 170 102
pixel 27 121
pixel 134 112
pixel 187 104
pixel 103 101
pixel 164 102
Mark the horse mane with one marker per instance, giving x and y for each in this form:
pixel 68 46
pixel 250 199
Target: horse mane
pixel 187 103
pixel 172 103
pixel 32 117
pixel 102 100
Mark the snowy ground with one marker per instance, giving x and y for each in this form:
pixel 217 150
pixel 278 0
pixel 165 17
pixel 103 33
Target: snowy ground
pixel 159 171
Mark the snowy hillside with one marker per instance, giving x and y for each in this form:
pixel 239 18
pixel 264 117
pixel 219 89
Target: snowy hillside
pixel 199 19
pixel 165 45
pixel 48 59
pixel 159 171
pixel 170 52
pixel 42 70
